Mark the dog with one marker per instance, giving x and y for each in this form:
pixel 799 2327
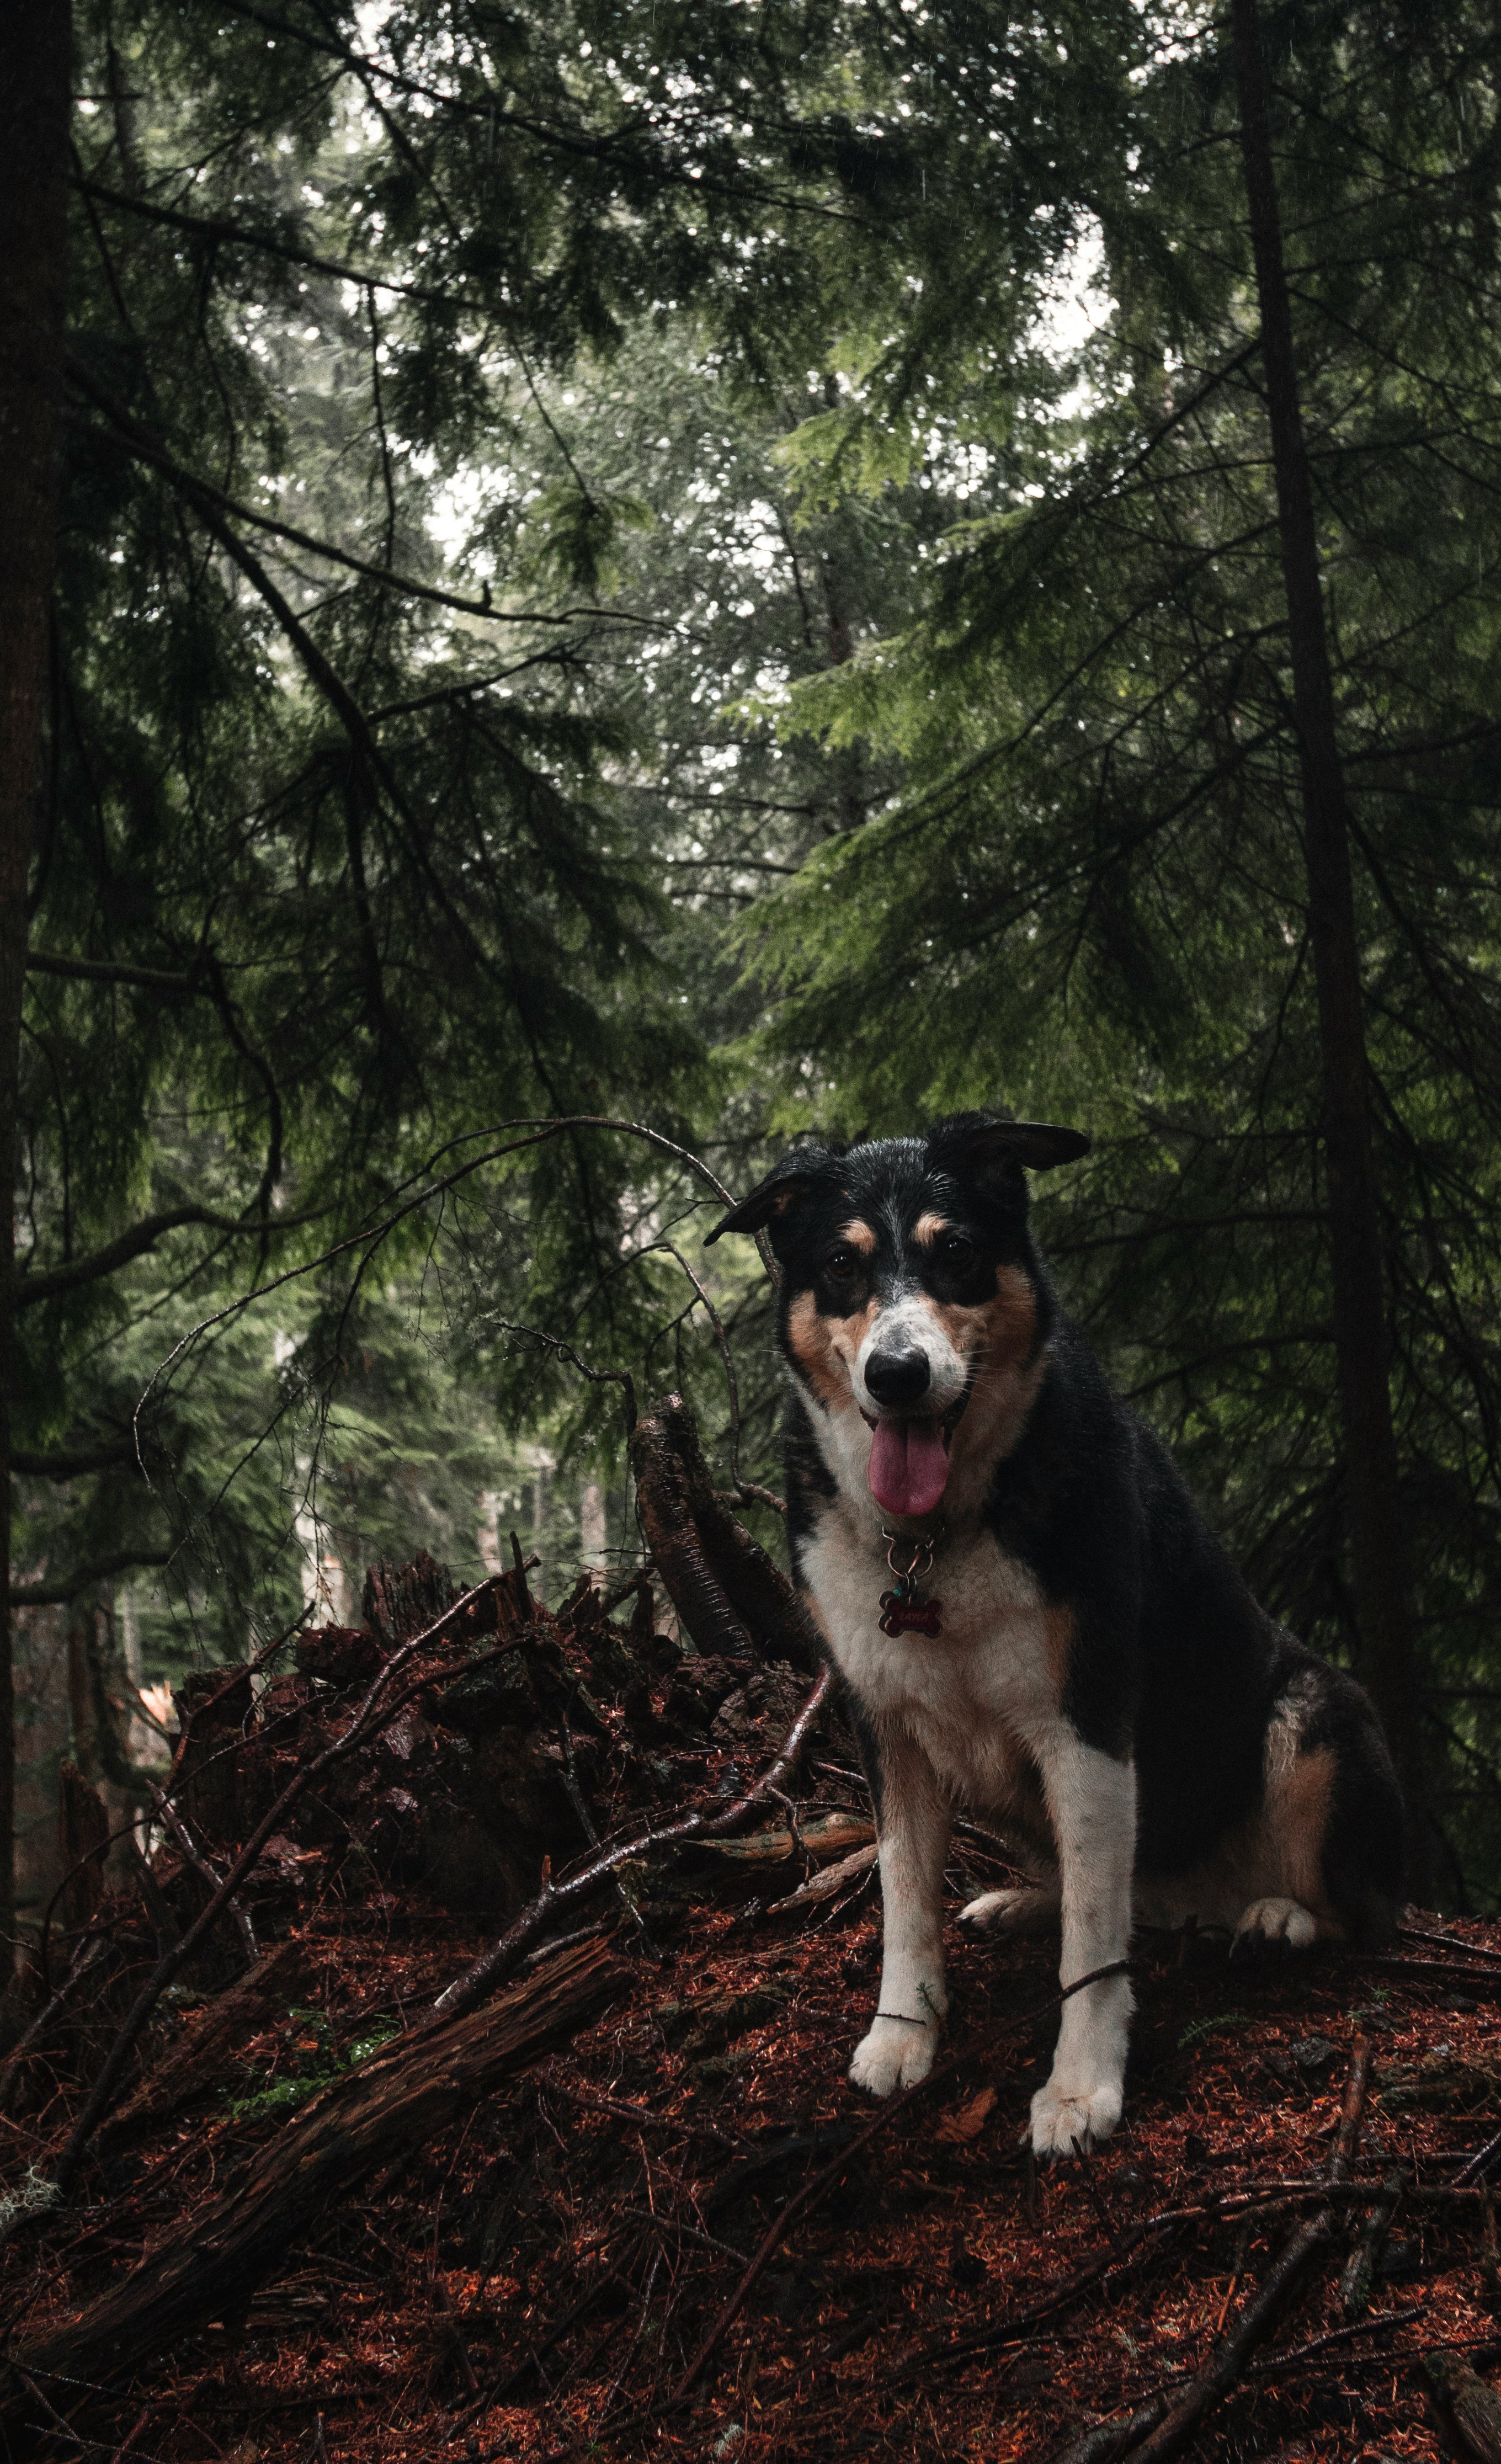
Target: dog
pixel 1031 1618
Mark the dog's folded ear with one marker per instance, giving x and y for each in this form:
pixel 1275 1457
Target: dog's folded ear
pixel 977 1138
pixel 775 1196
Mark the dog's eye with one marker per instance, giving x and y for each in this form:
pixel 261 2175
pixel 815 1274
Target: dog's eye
pixel 840 1263
pixel 958 1252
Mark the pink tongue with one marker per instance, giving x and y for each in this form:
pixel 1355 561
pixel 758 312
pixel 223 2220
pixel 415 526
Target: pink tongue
pixel 909 1466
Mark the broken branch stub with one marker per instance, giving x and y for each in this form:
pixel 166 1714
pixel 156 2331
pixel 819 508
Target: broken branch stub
pixel 733 1597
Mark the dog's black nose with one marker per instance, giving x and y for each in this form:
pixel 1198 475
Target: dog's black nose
pixel 897 1377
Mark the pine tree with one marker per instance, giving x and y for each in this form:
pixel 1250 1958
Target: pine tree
pixel 1113 882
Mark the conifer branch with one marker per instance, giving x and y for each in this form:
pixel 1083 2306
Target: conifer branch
pixel 265 243
pixel 207 498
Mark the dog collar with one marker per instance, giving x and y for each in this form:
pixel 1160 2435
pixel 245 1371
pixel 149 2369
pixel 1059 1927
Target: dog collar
pixel 906 1608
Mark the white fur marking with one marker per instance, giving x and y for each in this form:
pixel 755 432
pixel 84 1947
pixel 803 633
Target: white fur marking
pixel 965 1717
pixel 909 1325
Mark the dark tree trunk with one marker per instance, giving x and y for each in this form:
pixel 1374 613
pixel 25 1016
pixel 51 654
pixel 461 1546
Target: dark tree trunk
pixel 1362 1330
pixel 35 46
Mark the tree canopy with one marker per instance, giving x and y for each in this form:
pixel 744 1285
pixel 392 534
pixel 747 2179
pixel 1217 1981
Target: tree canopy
pixel 730 570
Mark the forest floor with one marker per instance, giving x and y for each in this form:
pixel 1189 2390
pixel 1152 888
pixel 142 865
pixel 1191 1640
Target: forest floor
pixel 547 2274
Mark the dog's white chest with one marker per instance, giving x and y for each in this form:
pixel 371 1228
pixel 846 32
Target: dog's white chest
pixel 971 1697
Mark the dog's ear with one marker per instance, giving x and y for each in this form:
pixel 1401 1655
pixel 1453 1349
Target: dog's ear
pixel 978 1138
pixel 777 1197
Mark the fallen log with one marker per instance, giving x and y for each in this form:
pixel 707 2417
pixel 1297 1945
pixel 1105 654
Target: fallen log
pixel 396 2099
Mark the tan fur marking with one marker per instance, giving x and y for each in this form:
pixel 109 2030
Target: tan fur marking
pixel 928 1228
pixel 1058 1629
pixel 1002 1330
pixel 848 1333
pixel 825 1349
pixel 859 1236
pixel 1297 1819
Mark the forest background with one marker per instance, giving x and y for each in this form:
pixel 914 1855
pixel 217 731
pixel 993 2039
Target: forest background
pixel 748 570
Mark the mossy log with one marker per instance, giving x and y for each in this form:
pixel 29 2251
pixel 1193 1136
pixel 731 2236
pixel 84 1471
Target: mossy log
pixel 398 2098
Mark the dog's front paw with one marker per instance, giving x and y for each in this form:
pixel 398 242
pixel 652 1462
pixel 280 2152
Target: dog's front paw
pixel 1064 2123
pixel 894 2055
pixel 1274 1920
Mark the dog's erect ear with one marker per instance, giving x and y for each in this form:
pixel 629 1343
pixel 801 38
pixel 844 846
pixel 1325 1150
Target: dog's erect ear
pixel 775 1197
pixel 975 1139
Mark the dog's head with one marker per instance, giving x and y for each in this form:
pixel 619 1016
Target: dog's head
pixel 911 1292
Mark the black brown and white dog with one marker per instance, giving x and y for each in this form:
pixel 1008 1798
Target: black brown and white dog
pixel 1090 1668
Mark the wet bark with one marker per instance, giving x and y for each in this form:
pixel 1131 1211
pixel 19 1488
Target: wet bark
pixel 733 1598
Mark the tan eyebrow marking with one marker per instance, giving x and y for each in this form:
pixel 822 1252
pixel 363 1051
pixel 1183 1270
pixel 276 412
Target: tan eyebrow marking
pixel 859 1236
pixel 928 1228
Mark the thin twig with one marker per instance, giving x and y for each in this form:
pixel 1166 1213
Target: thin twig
pixel 743 1488
pixel 1297 2354
pixel 623 2111
pixel 86 1951
pixel 1478 2166
pixel 1447 1941
pixel 208 1872
pixel 585 1820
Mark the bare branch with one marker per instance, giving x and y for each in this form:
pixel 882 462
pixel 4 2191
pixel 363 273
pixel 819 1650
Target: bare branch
pixel 74 1465
pixel 205 496
pixel 104 971
pixel 47 1595
pixel 31 1289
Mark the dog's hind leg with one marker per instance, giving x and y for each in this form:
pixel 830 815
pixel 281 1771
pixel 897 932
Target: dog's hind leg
pixel 1092 1798
pixel 1325 1855
pixel 914 1824
pixel 1035 1909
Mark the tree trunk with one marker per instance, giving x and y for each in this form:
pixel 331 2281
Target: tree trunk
pixel 35 43
pixel 1362 1329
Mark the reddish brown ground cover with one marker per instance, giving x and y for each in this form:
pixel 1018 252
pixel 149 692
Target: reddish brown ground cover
pixel 680 2231
pixel 537 2281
